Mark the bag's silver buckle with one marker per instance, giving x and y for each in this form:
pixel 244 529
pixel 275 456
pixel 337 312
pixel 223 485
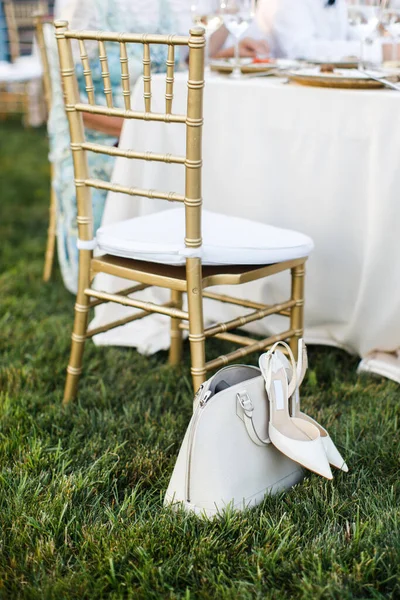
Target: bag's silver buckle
pixel 197 394
pixel 245 402
pixel 199 398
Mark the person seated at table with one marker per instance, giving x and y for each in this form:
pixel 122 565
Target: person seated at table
pixel 161 16
pixel 152 16
pixel 312 30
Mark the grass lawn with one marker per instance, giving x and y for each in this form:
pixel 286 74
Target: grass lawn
pixel 81 488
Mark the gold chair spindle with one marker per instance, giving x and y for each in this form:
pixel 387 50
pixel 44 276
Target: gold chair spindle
pixel 40 21
pixel 105 73
pixel 12 30
pixel 84 205
pixel 147 77
pixel 87 73
pixel 193 202
pixel 169 93
pixel 126 87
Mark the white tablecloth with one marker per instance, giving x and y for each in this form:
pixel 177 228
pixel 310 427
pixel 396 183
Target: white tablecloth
pixel 322 161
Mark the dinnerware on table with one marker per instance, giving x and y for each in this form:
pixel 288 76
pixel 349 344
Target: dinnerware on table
pixel 336 78
pixel 206 13
pixel 226 459
pixel 383 80
pixel 166 249
pixel 246 65
pixel 364 18
pixel 391 29
pixel 250 66
pixel 303 443
pixel 350 62
pixel 237 16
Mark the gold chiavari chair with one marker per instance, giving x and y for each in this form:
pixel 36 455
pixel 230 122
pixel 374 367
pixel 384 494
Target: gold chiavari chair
pixel 12 30
pixel 19 17
pixel 188 274
pixel 41 21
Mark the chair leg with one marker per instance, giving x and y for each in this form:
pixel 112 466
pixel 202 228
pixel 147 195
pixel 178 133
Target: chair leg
pixel 175 351
pixel 297 312
pixel 51 237
pixel 78 337
pixel 26 107
pixel 196 322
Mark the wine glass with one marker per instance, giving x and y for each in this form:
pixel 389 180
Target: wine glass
pixel 237 16
pixel 205 13
pixel 364 18
pixel 391 24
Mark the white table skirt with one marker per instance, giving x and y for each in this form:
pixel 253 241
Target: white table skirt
pixel 321 161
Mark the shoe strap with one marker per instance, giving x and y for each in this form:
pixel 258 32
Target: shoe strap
pixel 302 361
pixel 292 384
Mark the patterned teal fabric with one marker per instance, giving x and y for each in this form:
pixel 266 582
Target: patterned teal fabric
pixel 3 35
pixel 100 167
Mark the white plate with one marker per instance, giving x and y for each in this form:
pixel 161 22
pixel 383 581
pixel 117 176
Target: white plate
pixel 229 62
pixel 248 66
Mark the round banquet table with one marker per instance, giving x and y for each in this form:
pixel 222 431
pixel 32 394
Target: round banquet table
pixel 322 161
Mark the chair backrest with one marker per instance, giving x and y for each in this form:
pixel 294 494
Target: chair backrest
pixel 40 22
pixel 193 119
pixel 20 16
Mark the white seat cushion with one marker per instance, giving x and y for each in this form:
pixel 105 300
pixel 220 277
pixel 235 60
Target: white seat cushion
pixel 5 69
pixel 159 237
pixel 25 68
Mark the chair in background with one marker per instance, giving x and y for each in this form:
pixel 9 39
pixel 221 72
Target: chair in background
pixel 42 21
pixel 166 248
pixel 17 77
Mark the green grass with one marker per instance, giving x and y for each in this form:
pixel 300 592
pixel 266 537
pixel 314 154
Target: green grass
pixel 81 488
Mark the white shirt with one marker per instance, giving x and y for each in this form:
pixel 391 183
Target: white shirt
pixel 59 8
pixel 311 29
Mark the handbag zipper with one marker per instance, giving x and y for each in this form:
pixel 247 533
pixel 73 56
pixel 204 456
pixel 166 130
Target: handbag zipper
pixel 192 432
pixel 206 398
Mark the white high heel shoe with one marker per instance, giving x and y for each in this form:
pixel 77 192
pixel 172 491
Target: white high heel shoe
pixel 304 444
pixel 302 420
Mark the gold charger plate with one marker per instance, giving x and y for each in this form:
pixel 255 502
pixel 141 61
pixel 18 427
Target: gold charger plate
pixel 339 64
pixel 332 81
pixel 248 67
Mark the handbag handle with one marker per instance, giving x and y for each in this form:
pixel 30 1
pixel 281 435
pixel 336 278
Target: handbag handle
pixel 245 402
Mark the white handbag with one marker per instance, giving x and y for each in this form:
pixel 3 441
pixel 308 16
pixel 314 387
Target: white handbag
pixel 226 458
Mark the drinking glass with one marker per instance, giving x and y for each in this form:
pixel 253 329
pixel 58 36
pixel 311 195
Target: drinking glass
pixel 391 24
pixel 364 18
pixel 237 16
pixel 206 13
